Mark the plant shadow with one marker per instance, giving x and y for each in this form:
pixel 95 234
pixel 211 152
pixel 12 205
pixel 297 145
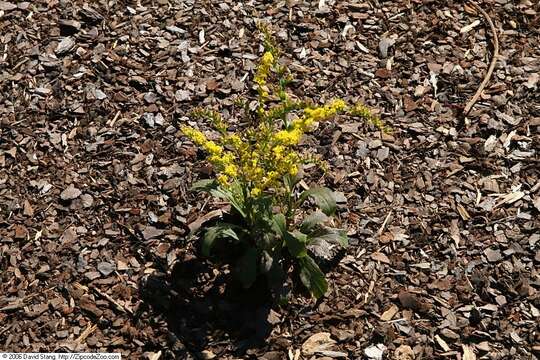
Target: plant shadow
pixel 202 309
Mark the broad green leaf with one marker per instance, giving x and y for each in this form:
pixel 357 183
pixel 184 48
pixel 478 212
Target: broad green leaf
pixel 220 231
pixel 228 195
pixel 213 188
pixel 280 224
pixel 296 243
pixel 333 236
pixel 323 197
pixel 204 185
pixel 312 220
pixel 246 267
pixel 237 198
pixel 263 204
pixel 262 212
pixel 312 277
pixel 222 194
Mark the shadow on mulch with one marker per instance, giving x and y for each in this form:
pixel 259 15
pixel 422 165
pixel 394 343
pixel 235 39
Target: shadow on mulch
pixel 199 307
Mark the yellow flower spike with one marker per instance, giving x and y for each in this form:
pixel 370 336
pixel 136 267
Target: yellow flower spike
pixel 268 58
pixel 288 137
pixel 230 170
pixel 194 135
pixel 255 192
pixel 324 112
pixel 223 179
pixel 263 70
pixel 338 105
pixel 199 139
pixel 278 151
pixel 212 148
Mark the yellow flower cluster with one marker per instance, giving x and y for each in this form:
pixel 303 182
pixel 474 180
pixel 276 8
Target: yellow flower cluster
pixel 269 172
pixel 222 160
pixel 264 68
pixel 364 112
pixel 259 157
pixel 289 137
pixel 198 138
pixel 324 112
pixel 299 126
pixel 260 163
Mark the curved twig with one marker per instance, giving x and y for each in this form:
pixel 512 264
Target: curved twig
pixel 473 100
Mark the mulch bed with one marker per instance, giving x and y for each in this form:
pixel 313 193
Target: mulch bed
pixel 94 177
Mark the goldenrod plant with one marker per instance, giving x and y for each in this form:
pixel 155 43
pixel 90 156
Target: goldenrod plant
pixel 258 170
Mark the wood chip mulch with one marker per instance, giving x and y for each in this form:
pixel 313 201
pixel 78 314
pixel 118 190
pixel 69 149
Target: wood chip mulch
pixel 443 211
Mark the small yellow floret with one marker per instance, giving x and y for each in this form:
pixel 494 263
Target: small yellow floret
pixel 268 58
pixel 263 70
pixel 223 179
pixel 293 169
pixel 338 105
pixel 288 137
pixel 212 148
pixel 230 170
pixel 278 151
pixel 194 135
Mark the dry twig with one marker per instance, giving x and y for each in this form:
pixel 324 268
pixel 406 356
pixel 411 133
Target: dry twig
pixel 105 296
pixel 89 330
pixel 473 100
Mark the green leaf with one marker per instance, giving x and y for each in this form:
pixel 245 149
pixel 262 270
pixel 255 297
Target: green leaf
pixel 204 185
pixel 222 194
pixel 232 195
pixel 323 197
pixel 312 220
pixel 235 200
pixel 246 267
pixel 312 277
pixel 262 211
pixel 280 224
pixel 296 243
pixel 220 231
pixel 330 235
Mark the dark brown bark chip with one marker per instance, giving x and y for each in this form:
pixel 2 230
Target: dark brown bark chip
pixel 37 310
pixel 86 304
pixel 408 300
